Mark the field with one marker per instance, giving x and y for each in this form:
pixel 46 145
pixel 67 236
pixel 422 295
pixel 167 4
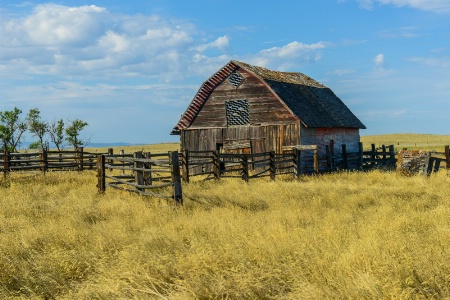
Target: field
pixel 359 235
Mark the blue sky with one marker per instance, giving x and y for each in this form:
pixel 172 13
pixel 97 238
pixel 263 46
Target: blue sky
pixel 130 68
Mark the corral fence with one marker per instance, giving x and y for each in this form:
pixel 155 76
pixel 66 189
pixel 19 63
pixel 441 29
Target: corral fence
pixel 143 173
pixel 45 160
pixel 412 162
pixel 295 160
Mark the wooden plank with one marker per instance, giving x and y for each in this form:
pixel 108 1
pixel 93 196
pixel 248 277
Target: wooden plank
pixel 176 178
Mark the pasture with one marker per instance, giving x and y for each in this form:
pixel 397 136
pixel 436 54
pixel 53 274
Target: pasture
pixel 342 235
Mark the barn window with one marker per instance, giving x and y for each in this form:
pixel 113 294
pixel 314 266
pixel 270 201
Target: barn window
pixel 235 79
pixel 237 112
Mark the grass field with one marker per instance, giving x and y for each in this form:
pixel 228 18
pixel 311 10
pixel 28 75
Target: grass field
pixel 370 235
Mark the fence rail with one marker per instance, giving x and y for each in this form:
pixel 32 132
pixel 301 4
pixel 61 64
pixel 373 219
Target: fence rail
pixel 45 160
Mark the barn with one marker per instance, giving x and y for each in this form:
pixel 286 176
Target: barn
pixel 249 109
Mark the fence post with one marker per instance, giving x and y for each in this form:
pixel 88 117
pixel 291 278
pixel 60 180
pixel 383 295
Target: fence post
pixel 244 166
pixel 298 162
pixel 373 154
pixel 176 177
pixel 79 155
pixel 272 165
pixel 344 157
pixel 43 157
pixel 111 153
pixel 6 163
pixel 122 154
pixel 360 155
pixel 138 174
pixel 392 159
pixel 185 164
pixel 101 182
pixel 430 165
pixel 447 157
pixel 216 164
pixel 148 178
pixel 316 161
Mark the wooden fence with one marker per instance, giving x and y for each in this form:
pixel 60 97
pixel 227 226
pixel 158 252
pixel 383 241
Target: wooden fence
pixel 296 160
pixel 45 160
pixel 143 173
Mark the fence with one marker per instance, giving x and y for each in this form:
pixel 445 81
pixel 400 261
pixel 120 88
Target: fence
pixel 296 160
pixel 45 160
pixel 141 173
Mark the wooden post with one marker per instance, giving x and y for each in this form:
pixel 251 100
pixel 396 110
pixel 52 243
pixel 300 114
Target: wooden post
pixel 138 174
pixel 430 165
pixel 298 162
pixel 383 148
pixel 216 164
pixel 272 166
pixel 244 166
pixel 80 158
pixel 316 161
pixel 185 165
pixel 329 160
pixel 447 157
pixel 6 163
pixel 361 155
pixel 122 153
pixel 101 182
pixel 176 177
pixel 43 157
pixel 148 179
pixel 344 157
pixel 392 159
pixel 373 154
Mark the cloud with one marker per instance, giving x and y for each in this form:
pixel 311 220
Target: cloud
pixel 438 6
pixel 220 43
pixel 288 56
pixel 379 62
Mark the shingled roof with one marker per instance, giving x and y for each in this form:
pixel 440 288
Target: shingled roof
pixel 313 103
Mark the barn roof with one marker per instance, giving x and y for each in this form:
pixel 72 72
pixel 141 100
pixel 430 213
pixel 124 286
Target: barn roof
pixel 313 103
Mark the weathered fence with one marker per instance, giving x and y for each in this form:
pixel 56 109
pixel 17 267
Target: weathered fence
pixel 143 173
pixel 295 160
pixel 45 160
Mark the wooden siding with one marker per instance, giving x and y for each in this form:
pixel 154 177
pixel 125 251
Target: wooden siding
pixel 264 106
pixel 323 136
pixel 261 138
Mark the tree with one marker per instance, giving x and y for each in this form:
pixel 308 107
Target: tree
pixel 37 127
pixel 73 133
pixel 11 129
pixel 56 131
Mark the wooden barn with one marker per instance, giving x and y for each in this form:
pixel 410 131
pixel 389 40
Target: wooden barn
pixel 249 109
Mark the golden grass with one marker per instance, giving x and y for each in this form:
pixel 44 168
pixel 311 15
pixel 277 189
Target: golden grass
pixel 345 235
pixel 354 235
pixel 408 140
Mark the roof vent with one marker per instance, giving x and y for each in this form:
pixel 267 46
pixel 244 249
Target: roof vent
pixel 235 79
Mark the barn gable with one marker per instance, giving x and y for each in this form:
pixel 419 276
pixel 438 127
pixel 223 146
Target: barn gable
pixel 271 97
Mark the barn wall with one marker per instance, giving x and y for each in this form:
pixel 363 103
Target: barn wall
pixel 259 138
pixel 323 136
pixel 264 107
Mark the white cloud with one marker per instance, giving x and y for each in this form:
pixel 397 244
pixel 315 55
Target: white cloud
pixel 288 56
pixel 220 43
pixel 379 62
pixel 439 6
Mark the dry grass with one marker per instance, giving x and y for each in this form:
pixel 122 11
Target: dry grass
pixel 407 140
pixel 345 235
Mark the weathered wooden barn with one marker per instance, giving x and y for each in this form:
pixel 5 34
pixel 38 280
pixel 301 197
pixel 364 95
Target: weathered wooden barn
pixel 249 109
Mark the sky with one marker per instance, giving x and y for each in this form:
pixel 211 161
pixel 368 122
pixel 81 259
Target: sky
pixel 130 68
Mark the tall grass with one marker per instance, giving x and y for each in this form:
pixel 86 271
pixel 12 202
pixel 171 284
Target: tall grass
pixel 345 235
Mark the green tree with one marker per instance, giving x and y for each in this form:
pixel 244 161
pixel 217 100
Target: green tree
pixel 37 128
pixel 11 129
pixel 73 133
pixel 56 131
